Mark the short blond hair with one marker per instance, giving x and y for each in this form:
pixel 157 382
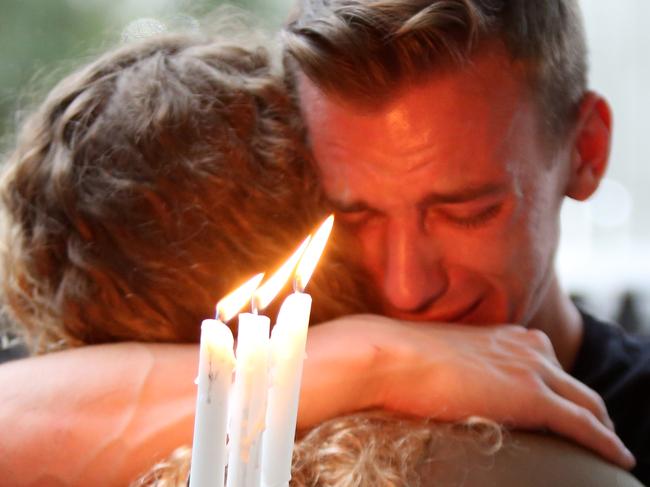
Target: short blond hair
pixel 363 50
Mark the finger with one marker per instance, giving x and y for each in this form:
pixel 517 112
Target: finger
pixel 542 343
pixel 529 342
pixel 575 391
pixel 569 419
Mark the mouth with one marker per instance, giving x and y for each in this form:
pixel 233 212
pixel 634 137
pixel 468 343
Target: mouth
pixel 432 314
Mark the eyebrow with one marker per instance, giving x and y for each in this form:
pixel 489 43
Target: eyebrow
pixel 460 196
pixel 463 195
pixel 352 207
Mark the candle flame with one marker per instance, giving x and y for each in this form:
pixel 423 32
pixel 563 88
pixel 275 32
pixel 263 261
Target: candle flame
pixel 269 290
pixel 310 258
pixel 230 305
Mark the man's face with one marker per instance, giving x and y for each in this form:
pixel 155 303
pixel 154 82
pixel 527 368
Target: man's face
pixel 450 190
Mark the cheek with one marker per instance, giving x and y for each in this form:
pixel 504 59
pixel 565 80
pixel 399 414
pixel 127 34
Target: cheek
pixel 506 257
pixel 493 251
pixel 541 224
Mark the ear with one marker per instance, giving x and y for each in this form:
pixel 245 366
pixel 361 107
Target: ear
pixel 591 146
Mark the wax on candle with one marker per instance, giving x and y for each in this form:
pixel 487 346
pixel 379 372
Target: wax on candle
pixel 287 355
pixel 216 364
pixel 251 381
pixel 288 342
pixel 248 406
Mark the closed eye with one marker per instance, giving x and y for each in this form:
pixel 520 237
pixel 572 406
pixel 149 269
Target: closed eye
pixel 354 219
pixel 473 220
pixel 353 214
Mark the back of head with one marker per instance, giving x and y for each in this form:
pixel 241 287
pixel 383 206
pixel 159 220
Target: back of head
pixel 364 50
pixel 146 186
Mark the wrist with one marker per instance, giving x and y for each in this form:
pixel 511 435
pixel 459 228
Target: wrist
pixel 340 372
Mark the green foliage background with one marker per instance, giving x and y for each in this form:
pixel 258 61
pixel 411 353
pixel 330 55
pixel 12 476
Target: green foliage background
pixel 42 40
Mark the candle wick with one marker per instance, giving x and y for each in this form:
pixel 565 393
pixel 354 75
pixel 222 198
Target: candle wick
pixel 255 305
pixel 297 286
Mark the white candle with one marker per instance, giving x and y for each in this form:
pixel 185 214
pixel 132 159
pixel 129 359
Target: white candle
pixel 251 382
pixel 248 405
pixel 287 354
pixel 216 364
pixel 288 342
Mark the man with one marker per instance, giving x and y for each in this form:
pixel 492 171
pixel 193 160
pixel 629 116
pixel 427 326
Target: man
pixel 428 262
pixel 447 135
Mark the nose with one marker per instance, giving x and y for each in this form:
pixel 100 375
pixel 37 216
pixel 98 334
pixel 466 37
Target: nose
pixel 414 276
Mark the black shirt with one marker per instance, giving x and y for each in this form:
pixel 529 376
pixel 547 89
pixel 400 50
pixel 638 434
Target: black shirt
pixel 617 366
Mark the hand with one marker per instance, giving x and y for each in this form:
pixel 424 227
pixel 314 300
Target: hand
pixel 449 372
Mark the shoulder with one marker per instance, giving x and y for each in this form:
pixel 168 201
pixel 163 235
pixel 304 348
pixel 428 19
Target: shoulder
pixel 617 366
pixel 609 355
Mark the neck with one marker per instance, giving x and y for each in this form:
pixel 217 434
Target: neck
pixel 559 318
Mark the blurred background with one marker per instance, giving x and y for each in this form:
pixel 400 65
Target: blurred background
pixel 604 255
pixel 604 258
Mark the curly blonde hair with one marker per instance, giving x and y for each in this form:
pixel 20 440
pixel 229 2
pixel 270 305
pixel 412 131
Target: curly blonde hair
pixel 148 184
pixel 374 448
pixel 380 449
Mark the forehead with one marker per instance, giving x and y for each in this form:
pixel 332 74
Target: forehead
pixel 458 128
